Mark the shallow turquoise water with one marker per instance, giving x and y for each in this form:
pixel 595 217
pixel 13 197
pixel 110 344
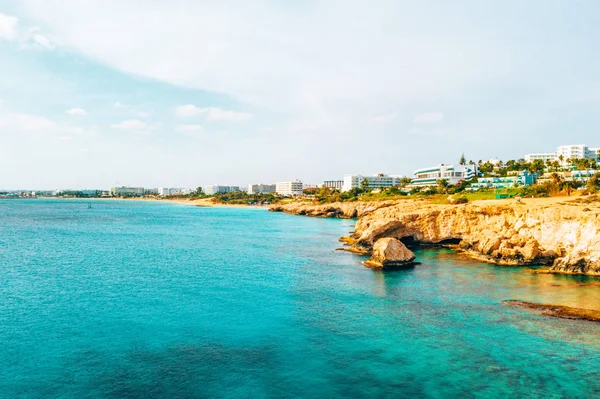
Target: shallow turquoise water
pixel 140 299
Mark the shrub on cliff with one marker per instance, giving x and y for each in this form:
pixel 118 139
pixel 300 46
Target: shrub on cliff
pixel 593 183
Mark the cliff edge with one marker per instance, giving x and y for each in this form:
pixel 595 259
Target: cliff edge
pixel 563 233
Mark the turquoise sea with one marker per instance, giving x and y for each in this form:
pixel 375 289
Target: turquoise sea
pixel 156 300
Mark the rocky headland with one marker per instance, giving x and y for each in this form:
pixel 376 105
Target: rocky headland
pixel 562 233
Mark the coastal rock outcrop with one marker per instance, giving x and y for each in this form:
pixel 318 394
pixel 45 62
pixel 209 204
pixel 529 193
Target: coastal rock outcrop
pixel 554 232
pixel 344 210
pixel 390 253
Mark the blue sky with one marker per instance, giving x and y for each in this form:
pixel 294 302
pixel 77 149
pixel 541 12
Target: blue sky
pixel 187 93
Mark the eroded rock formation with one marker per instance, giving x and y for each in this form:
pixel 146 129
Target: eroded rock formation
pixel 389 253
pixel 563 234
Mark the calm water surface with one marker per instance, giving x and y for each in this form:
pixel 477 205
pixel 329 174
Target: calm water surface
pixel 147 300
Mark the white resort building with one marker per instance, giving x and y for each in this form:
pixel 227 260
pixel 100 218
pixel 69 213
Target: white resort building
pixel 335 184
pixel 289 188
pixel 126 191
pixel 565 152
pixel 377 181
pixel 453 174
pixel 165 191
pixel 261 188
pixel 217 189
pixel 544 156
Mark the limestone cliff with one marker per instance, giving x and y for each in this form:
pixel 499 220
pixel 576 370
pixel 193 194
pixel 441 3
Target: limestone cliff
pixel 564 234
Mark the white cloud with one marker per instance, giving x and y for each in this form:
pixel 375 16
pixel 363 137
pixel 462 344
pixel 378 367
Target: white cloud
pixel 267 58
pixel 42 41
pixel 119 104
pixel 430 117
pixel 28 38
pixel 188 110
pixel 383 119
pixel 212 114
pixel 77 112
pixel 27 122
pixel 133 125
pixel 8 27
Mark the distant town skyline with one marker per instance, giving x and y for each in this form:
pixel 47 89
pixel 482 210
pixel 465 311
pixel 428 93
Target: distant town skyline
pixel 186 94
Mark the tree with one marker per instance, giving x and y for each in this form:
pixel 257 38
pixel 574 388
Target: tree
pixel 593 183
pixel 569 187
pixel 556 178
pixel 442 185
pixel 324 191
pixel 537 166
pixel 364 185
pixel 405 181
pixel 463 160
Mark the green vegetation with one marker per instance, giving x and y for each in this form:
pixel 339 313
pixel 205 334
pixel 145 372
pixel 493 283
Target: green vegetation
pixel 79 194
pixel 242 198
pixel 593 184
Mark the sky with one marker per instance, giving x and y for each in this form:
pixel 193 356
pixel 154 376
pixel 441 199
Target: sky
pixel 97 93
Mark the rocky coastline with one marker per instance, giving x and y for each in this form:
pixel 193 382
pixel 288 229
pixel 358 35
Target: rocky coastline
pixel 563 234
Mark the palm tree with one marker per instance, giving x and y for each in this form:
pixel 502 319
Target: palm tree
pixel 364 185
pixel 555 165
pixel 557 179
pixel 442 185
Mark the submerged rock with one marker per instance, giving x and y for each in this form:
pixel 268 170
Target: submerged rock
pixel 390 253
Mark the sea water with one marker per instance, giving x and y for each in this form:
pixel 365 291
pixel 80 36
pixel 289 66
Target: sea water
pixel 134 299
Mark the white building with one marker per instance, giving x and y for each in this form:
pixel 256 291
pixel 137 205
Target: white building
pixel 335 184
pixel 373 182
pixel 578 151
pixel 261 188
pixel 453 174
pixel 126 191
pixel 166 191
pixel 565 152
pixel 289 188
pixel 217 189
pixel 544 156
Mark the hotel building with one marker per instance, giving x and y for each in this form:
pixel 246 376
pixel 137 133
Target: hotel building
pixel 289 188
pixel 165 191
pixel 544 156
pixel 453 174
pixel 523 178
pixel 217 189
pixel 261 188
pixel 373 182
pixel 127 191
pixel 335 184
pixel 574 151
